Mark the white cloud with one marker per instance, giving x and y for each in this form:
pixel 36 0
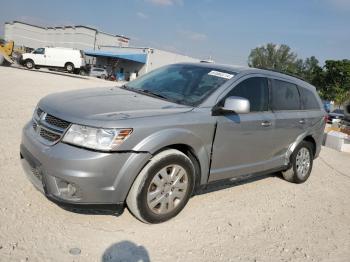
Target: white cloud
pixel 142 15
pixel 165 2
pixel 193 36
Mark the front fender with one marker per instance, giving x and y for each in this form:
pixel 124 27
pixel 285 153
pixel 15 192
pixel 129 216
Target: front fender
pixel 167 137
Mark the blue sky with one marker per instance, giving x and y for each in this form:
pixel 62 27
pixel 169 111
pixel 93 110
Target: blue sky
pixel 226 30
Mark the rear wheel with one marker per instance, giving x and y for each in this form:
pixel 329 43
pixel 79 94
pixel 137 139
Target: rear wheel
pixel 162 188
pixel 69 67
pixel 29 64
pixel 301 161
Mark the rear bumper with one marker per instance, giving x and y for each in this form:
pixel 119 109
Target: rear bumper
pixel 98 178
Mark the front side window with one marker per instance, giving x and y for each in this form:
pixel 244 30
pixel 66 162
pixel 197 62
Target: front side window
pixel 39 51
pixel 183 84
pixel 285 96
pixel 308 99
pixel 254 89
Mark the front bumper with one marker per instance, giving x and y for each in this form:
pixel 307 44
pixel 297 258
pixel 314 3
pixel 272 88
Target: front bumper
pixel 98 178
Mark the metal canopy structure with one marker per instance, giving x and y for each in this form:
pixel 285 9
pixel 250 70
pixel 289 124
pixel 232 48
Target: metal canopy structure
pixel 140 58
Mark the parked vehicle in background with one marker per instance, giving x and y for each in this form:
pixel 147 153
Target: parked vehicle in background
pixel 156 141
pixel 346 120
pixel 69 59
pixel 98 72
pixel 337 114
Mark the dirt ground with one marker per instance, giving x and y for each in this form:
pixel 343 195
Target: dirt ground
pixel 263 220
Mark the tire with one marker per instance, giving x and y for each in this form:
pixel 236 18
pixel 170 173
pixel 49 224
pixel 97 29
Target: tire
pixel 29 64
pixel 162 188
pixel 301 163
pixel 69 67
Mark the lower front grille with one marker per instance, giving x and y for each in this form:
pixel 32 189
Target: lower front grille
pixel 46 134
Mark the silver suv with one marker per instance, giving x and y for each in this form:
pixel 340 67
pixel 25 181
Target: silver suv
pixel 153 143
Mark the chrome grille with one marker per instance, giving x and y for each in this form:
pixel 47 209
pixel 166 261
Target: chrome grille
pixel 49 128
pixel 56 121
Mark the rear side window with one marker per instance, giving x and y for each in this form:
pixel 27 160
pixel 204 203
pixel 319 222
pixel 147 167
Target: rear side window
pixel 285 96
pixel 254 89
pixel 308 99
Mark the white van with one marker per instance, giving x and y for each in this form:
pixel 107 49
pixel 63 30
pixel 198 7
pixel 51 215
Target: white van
pixel 72 60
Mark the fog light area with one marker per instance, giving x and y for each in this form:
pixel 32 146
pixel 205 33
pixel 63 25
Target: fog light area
pixel 68 190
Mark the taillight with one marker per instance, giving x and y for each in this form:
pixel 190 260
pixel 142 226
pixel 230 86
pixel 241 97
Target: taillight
pixel 325 118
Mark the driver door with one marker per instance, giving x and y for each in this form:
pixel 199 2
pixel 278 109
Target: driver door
pixel 39 56
pixel 243 142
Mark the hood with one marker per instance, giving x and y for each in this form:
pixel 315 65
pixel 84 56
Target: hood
pixel 98 105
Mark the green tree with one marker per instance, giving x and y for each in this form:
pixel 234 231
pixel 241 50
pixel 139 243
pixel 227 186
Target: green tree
pixel 335 82
pixel 272 56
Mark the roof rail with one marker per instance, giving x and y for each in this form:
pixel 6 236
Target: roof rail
pixel 285 73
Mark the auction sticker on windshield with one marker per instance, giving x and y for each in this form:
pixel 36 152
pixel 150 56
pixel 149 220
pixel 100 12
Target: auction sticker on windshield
pixel 220 74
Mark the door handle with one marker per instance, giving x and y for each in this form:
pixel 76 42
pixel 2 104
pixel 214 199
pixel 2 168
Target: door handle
pixel 302 121
pixel 266 123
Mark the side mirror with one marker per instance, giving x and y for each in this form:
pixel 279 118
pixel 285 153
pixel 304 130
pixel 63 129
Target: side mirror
pixel 235 104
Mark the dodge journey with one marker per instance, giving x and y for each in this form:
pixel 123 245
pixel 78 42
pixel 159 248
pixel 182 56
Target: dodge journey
pixel 154 142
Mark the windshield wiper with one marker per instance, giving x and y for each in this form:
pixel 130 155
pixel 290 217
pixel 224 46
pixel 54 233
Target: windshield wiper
pixel 150 93
pixel 153 94
pixel 143 91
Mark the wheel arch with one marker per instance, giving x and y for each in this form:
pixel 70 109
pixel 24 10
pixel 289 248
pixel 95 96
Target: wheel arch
pixel 190 152
pixel 65 64
pixel 303 137
pixel 28 59
pixel 311 140
pixel 183 140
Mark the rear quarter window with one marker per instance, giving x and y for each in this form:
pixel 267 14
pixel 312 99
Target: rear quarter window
pixel 285 96
pixel 308 99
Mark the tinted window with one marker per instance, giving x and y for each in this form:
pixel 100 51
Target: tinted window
pixel 285 96
pixel 308 99
pixel 39 51
pixel 254 89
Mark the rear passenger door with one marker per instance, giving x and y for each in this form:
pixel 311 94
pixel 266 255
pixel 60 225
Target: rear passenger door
pixel 290 121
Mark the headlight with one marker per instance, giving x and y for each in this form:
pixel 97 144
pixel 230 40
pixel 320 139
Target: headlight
pixel 96 138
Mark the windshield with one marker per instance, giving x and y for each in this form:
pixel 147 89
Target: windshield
pixel 182 84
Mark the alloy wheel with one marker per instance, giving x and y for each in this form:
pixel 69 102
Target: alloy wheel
pixel 303 162
pixel 167 189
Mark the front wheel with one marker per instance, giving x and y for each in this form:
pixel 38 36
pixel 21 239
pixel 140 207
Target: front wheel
pixel 29 64
pixel 163 187
pixel 301 163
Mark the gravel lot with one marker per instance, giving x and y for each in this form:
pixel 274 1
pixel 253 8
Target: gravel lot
pixel 265 220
